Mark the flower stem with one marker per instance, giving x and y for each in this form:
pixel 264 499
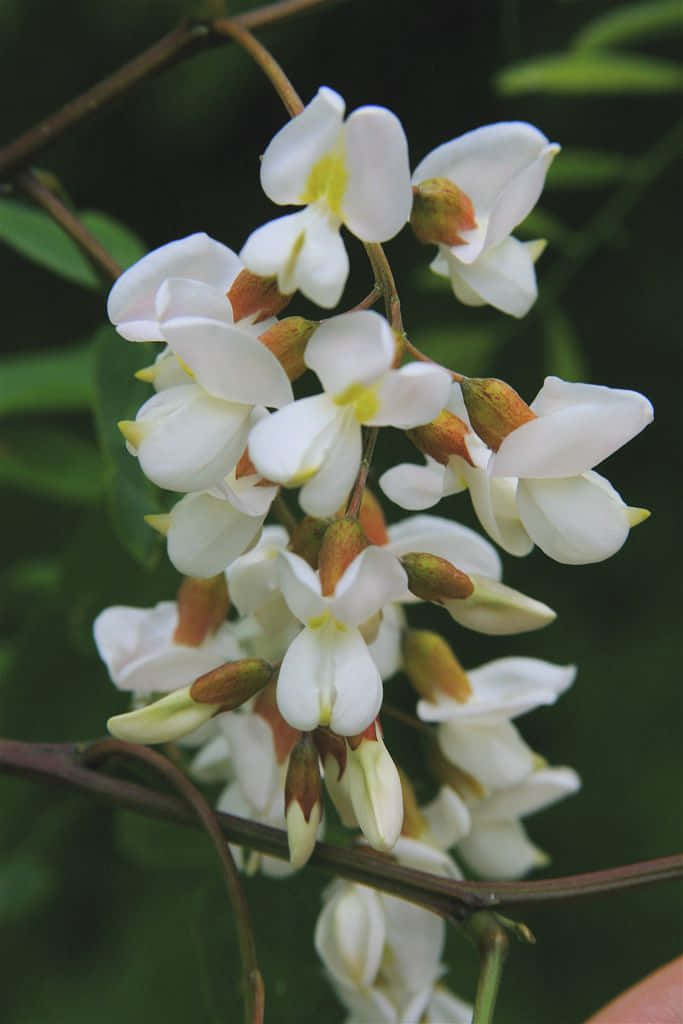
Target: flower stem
pixel 492 942
pixel 356 499
pixel 265 60
pixel 252 983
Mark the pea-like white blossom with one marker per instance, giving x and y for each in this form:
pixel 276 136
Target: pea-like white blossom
pixel 190 436
pixel 501 168
pixel 352 172
pixel 317 441
pixel 137 646
pixel 328 676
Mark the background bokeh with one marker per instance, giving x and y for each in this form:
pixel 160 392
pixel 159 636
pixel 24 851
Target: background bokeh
pixel 105 916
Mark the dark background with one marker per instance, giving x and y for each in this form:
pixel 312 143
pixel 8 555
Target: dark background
pixel 105 916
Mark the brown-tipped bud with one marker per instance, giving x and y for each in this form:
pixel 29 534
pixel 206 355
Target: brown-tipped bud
pixel 371 518
pixel 259 297
pixel 330 745
pixel 465 785
pixel 284 735
pixel 343 541
pixel 441 211
pixel 432 667
pixel 303 800
pixel 414 823
pixel 372 734
pixel 231 684
pixel 287 340
pixel 306 539
pixel 434 579
pixel 443 437
pixel 202 607
pixel 495 409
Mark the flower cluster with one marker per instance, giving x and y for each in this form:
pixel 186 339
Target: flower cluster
pixel 273 660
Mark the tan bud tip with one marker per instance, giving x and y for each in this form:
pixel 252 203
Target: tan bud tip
pixel 203 605
pixel 371 519
pixel 432 667
pixel 148 374
pixel 441 212
pixel 414 823
pixel 636 516
pixel 537 247
pixel 160 522
pixel 253 296
pixel 343 541
pixel 307 537
pixel 443 437
pixel 287 340
pixel 435 579
pixel 495 409
pixel 233 683
pixel 133 430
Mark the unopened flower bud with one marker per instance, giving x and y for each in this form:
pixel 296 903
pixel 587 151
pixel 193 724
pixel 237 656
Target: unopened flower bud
pixel 464 784
pixel 233 683
pixel 303 800
pixel 343 541
pixel 414 823
pixel 284 735
pixel 433 578
pixel 499 610
pixel 371 518
pixel 441 211
pixel 432 667
pixel 495 409
pixel 287 340
pixel 443 437
pixel 333 754
pixel 375 788
pixel 254 296
pixel 202 606
pixel 167 719
pixel 306 539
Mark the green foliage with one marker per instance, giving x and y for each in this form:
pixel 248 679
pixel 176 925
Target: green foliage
pixel 541 224
pixel 53 462
pixel 52 381
pixel 562 349
pixel 35 235
pixel 587 168
pixel 590 73
pixel 634 23
pixel 117 397
pixel 468 350
pixel 26 884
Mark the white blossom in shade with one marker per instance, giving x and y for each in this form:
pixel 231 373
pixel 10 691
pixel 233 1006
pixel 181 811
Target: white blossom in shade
pixel 209 529
pixel 386 647
pixel 501 168
pixel 132 303
pixel 317 441
pixel 137 646
pixel 352 172
pixel 189 437
pixel 444 1007
pixel 497 845
pixel 328 676
pixel 374 788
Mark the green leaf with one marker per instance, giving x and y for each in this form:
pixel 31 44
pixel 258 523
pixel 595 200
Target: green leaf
pixel 26 884
pixel 587 168
pixel 590 74
pixel 51 462
pixel 161 844
pixel 541 224
pixel 48 381
pixel 635 23
pixel 34 234
pixel 118 396
pixel 470 350
pixel 563 352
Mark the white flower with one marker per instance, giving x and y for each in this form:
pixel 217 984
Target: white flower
pixel 501 168
pixel 137 646
pixel 317 441
pixel 497 845
pixel 328 676
pixel 374 788
pixel 352 172
pixel 188 437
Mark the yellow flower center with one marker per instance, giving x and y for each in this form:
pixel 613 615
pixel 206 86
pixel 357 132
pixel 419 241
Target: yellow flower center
pixel 364 401
pixel 327 182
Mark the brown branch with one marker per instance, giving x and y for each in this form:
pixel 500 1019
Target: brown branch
pixel 252 981
pixel 61 763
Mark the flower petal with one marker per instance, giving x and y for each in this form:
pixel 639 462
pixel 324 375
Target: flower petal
pixel 253 577
pixel 503 276
pixel 321 266
pixel 250 739
pixel 576 520
pixel 499 610
pixel 378 196
pixel 501 849
pixel 207 534
pixel 329 488
pixel 458 544
pixel 577 426
pixel 350 935
pixel 292 153
pixel 447 817
pixel 493 752
pixel 385 649
pixel 416 939
pixel 373 579
pixel 300 587
pixel 493 499
pixel 131 302
pixel 352 348
pixel 357 683
pixel 290 446
pixel 414 487
pixel 411 396
pixel 539 790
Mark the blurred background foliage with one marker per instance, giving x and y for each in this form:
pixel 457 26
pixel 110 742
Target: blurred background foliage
pixel 106 916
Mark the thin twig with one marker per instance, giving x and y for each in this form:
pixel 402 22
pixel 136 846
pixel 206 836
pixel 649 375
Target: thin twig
pixel 356 498
pixel 33 187
pixel 407 719
pixel 492 943
pixel 252 982
pixel 283 87
pixel 369 301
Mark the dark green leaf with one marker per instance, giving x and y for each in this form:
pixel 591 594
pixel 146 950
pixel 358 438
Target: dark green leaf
pixel 160 844
pixel 590 74
pixel 562 348
pixel 634 23
pixel 26 883
pixel 123 244
pixel 118 396
pixel 469 351
pixel 46 382
pixel 587 168
pixel 51 462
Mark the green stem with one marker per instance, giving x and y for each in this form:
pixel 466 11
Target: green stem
pixel 492 943
pixel 356 499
